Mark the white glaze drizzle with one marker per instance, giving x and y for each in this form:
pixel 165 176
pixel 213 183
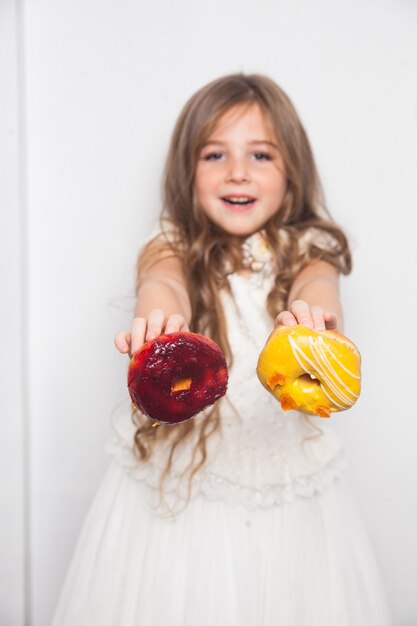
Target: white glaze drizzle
pixel 317 368
pixel 322 342
pixel 330 377
pixel 340 406
pixel 318 352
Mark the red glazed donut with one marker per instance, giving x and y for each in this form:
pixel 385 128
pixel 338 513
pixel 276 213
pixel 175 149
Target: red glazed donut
pixel 175 376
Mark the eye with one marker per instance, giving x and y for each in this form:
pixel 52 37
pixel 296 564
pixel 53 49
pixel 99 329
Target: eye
pixel 213 156
pixel 262 156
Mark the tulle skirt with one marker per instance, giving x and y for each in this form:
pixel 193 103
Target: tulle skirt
pixel 306 563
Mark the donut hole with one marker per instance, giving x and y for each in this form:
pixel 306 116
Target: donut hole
pixel 180 384
pixel 307 381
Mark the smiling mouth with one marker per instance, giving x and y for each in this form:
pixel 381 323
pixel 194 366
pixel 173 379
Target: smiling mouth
pixel 239 202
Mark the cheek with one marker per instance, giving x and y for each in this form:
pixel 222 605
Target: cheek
pixel 198 184
pixel 281 187
pixel 201 188
pixel 275 184
pixel 205 181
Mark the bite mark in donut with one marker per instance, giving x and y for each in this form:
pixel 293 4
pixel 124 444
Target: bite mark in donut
pixel 175 376
pixel 316 372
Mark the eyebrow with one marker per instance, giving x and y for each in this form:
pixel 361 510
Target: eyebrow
pixel 251 143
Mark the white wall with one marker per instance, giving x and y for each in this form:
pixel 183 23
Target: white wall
pixel 104 81
pixel 13 372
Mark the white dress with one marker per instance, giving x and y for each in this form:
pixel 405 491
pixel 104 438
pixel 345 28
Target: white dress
pixel 270 536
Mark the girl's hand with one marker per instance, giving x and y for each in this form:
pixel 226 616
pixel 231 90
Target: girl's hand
pixel 312 316
pixel 146 329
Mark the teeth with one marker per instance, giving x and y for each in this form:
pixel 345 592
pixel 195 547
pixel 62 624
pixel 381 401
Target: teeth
pixel 239 200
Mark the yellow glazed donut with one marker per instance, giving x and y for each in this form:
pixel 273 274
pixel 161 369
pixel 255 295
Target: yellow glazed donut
pixel 313 371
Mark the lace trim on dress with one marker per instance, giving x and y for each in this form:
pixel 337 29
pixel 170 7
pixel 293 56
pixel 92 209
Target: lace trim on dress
pixel 214 486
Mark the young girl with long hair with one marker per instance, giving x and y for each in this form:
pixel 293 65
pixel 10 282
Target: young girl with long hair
pixel 238 516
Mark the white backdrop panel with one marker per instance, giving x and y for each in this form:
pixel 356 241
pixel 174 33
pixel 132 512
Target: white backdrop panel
pixel 12 334
pixel 105 82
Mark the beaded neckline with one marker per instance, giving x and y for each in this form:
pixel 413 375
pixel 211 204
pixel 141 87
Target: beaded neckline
pixel 257 254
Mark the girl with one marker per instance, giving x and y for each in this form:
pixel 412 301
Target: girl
pixel 239 516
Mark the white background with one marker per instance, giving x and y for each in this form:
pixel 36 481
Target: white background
pixel 90 90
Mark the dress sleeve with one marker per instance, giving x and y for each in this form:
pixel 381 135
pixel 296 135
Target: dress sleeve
pixel 317 237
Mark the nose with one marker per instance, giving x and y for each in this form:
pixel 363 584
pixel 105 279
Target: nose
pixel 237 170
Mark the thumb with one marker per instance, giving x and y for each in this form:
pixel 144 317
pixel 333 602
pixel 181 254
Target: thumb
pixel 122 341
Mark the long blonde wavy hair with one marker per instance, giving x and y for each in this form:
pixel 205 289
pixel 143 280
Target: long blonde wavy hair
pixel 300 232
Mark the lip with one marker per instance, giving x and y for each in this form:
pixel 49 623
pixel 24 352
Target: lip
pixel 238 208
pixel 239 196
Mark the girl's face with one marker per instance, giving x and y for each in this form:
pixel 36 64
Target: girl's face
pixel 240 180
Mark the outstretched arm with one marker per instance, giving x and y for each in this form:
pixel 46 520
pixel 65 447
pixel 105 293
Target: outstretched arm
pixel 314 299
pixel 163 305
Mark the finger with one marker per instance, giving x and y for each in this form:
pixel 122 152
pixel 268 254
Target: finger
pixel 175 323
pixel 317 315
pixel 156 320
pixel 285 318
pixel 122 341
pixel 138 333
pixel 330 320
pixel 301 312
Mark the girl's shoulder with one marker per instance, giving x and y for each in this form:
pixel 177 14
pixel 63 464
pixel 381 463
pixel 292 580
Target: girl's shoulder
pixel 163 238
pixel 160 255
pixel 164 234
pixel 318 237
